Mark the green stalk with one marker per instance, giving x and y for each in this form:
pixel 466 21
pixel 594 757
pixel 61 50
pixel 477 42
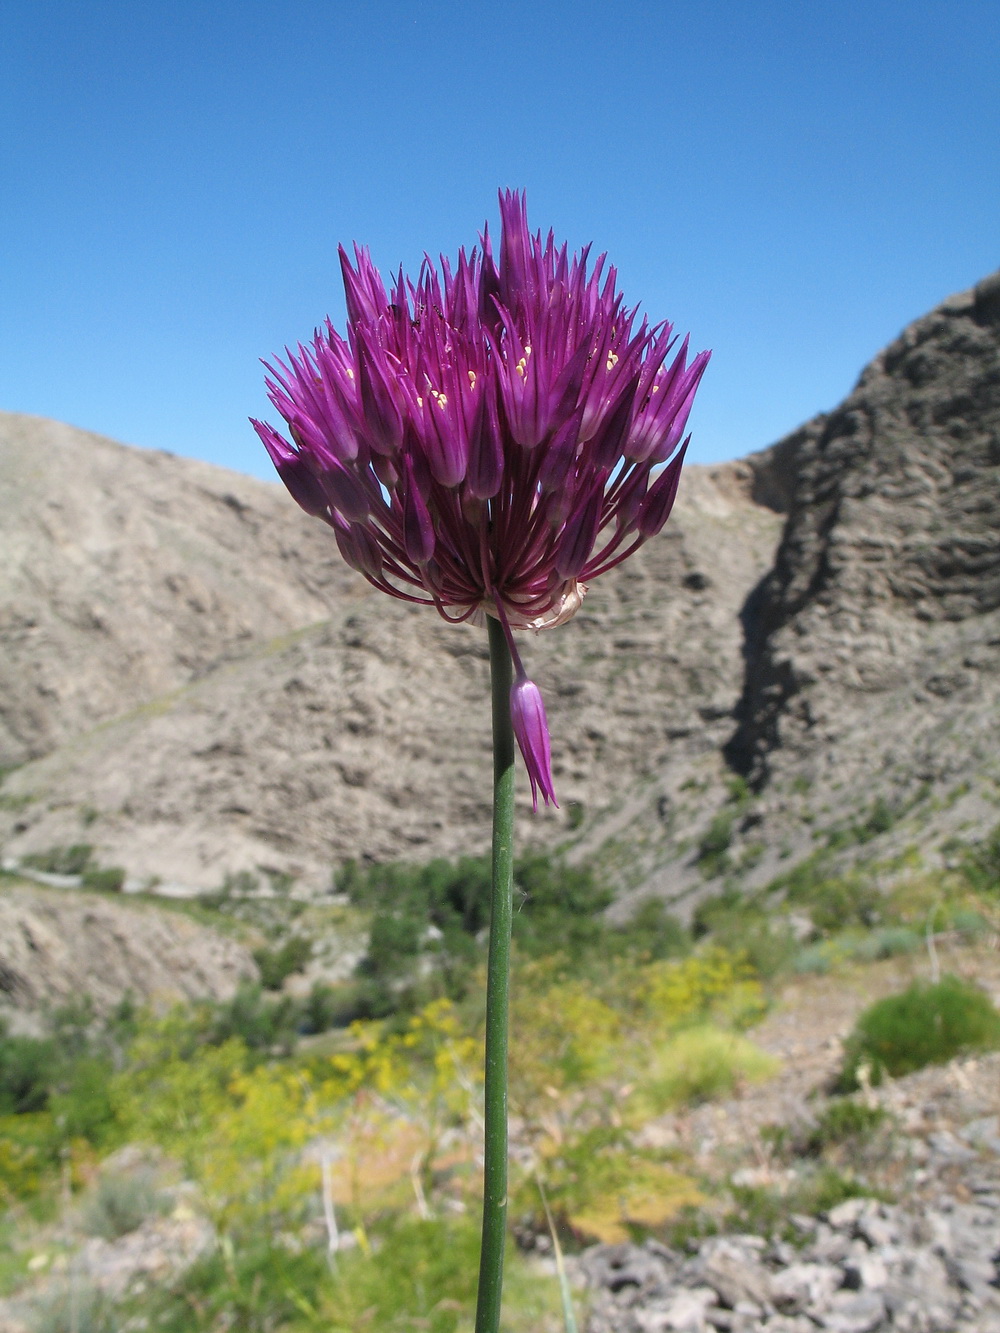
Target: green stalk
pixel 498 989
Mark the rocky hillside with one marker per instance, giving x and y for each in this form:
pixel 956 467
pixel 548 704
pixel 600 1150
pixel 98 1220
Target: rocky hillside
pixel 57 947
pixel 870 707
pixel 199 688
pixel 128 573
pixel 367 732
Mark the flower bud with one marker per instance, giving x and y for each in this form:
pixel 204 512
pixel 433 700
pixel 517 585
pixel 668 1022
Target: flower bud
pixel 532 732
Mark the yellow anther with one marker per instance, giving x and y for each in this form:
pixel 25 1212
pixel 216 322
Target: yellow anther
pixel 350 373
pixel 472 378
pixel 420 401
pixel 656 388
pixel 612 360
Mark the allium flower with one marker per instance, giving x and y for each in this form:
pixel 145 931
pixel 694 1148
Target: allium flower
pixel 488 439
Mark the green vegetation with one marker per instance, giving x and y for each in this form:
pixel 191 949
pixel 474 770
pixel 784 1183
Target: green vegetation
pixel 278 964
pixel 845 1122
pixel 923 1025
pixel 615 1022
pixel 429 925
pixel 78 859
pixel 981 864
pixel 119 1204
pixel 75 1306
pixel 713 849
pixel 701 1063
pixel 103 879
pixel 62 860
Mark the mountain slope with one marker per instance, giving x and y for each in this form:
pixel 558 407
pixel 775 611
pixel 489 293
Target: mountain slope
pixel 847 664
pixel 368 734
pixel 127 573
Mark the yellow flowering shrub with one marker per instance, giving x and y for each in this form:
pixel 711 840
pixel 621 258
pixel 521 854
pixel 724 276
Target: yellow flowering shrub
pixel 711 983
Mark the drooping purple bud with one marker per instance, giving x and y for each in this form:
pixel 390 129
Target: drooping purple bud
pixel 531 730
pixel 303 486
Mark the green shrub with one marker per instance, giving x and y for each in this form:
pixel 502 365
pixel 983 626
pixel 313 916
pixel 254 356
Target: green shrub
pixel 76 1306
pixel 62 860
pixel 119 1204
pixel 880 820
pixel 981 863
pixel 104 879
pixel 558 908
pixel 27 1070
pixel 254 1288
pixel 701 1063
pixel 742 927
pixel 844 1121
pixel 65 1074
pixel 888 942
pixel 440 912
pixel 652 933
pixel 277 964
pixel 424 1274
pixel 834 904
pixel 80 1102
pixel 714 844
pixel 923 1025
pixel 261 1024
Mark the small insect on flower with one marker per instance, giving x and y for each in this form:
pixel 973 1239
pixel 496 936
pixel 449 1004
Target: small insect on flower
pixel 490 438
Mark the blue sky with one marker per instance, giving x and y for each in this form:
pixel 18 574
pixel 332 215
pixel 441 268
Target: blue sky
pixel 792 183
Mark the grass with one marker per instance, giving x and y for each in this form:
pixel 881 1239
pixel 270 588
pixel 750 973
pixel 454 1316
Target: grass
pixel 702 1063
pixel 408 1274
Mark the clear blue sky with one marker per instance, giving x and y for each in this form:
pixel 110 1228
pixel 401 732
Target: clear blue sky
pixel 790 182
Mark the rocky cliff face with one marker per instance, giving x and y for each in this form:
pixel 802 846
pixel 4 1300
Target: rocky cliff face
pixel 883 599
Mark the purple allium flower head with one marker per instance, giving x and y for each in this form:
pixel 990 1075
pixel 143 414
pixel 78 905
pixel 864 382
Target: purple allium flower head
pixel 488 439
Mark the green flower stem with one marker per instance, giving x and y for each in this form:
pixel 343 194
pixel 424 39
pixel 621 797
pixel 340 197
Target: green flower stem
pixel 498 989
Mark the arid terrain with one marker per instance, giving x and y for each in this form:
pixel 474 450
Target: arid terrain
pixel 779 723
